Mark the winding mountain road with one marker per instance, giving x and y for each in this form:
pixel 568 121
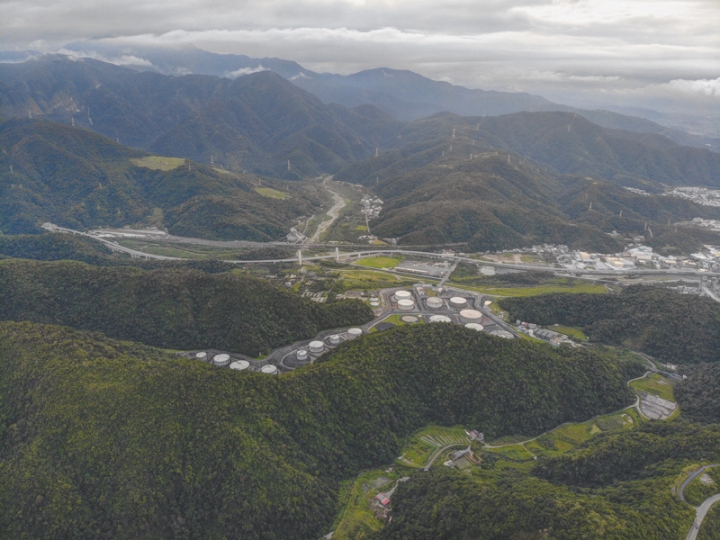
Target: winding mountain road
pixel 704 508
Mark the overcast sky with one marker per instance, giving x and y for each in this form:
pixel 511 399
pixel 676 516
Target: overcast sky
pixel 631 52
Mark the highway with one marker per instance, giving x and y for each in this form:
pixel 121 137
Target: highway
pixel 388 251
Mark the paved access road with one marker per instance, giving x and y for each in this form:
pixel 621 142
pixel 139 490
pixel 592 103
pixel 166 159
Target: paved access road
pixel 703 509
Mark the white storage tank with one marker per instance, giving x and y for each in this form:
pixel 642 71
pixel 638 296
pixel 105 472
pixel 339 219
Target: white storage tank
pixel 406 305
pixel 221 360
pixel 316 346
pixel 458 302
pixel 403 295
pixel 434 302
pixel 269 369
pixel 202 356
pixel 301 355
pixel 240 365
pixel 334 340
pixel 502 333
pixel 354 333
pixel 440 318
pixel 470 316
pixel 474 326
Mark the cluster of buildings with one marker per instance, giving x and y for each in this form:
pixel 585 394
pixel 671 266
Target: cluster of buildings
pixel 641 257
pixel 698 195
pixel 533 330
pixel 295 236
pixel 371 206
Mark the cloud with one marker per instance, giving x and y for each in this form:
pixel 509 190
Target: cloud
pixel 121 60
pixel 243 71
pixel 564 49
pixel 705 87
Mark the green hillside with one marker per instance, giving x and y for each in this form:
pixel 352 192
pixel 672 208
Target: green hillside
pixel 616 487
pixel 699 394
pixel 673 327
pixel 178 308
pixel 73 177
pixel 498 201
pixel 103 439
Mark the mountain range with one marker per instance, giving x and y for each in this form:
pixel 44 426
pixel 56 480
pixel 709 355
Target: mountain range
pixel 77 178
pixel 403 94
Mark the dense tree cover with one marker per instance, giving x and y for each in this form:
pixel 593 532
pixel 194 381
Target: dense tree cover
pixel 79 179
pixel 174 308
pixel 633 455
pixel 617 486
pixel 105 439
pixel 670 326
pixel 446 505
pixel 699 394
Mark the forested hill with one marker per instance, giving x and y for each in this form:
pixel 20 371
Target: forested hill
pixel 615 487
pixel 103 439
pixel 179 309
pixel 76 178
pixel 673 327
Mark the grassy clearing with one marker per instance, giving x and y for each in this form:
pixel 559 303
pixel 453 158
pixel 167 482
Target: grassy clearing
pixel 371 279
pixel 361 228
pixel 427 441
pixel 397 320
pixel 379 262
pixel 534 291
pixel 572 332
pixel 517 452
pixel 656 384
pixel 272 193
pixel 159 163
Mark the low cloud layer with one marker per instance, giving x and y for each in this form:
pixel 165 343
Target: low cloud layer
pixel 577 51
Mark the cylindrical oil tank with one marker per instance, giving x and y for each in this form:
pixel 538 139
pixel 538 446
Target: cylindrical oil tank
pixel 434 302
pixel 316 346
pixel 269 369
pixel 240 365
pixel 334 339
pixel 301 355
pixel 474 326
pixel 458 302
pixel 470 316
pixel 221 360
pixel 406 305
pixel 202 356
pixel 354 333
pixel 440 318
pixel 403 295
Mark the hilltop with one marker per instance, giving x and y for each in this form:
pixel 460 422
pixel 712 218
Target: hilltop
pixel 138 443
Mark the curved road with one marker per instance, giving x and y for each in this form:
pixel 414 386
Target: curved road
pixel 704 508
